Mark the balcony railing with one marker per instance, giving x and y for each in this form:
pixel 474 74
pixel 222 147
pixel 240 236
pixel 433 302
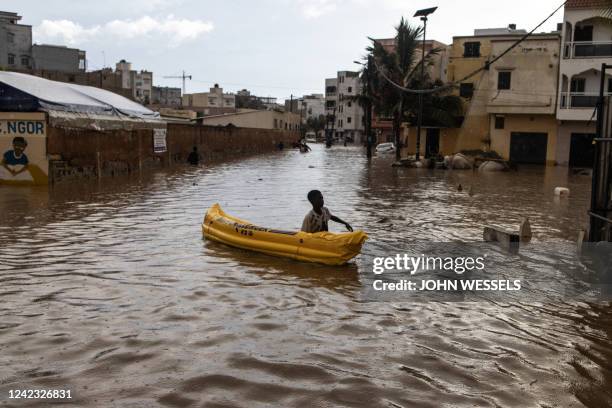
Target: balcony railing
pixel 587 49
pixel 571 100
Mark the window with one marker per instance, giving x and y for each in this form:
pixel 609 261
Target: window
pixel 10 37
pixel 577 85
pixel 471 49
pixel 212 101
pixel 466 90
pixel 11 59
pixel 503 79
pixel 349 104
pixel 350 89
pixel 609 85
pixel 25 60
pixel 500 121
pixel 348 120
pixel 583 33
pixel 275 123
pixel 330 104
pixel 285 125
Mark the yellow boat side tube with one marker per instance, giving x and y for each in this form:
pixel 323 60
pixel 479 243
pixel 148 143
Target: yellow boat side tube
pixel 321 247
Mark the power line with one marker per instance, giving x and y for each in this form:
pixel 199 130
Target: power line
pixel 483 68
pixel 260 86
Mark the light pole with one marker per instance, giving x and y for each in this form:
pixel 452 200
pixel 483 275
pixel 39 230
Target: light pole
pixel 423 14
pixel 367 107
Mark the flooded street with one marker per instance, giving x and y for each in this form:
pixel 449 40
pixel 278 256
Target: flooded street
pixel 109 290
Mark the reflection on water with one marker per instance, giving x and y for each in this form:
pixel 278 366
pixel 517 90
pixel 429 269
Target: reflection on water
pixel 109 290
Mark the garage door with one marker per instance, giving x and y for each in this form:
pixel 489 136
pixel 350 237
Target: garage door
pixel 529 148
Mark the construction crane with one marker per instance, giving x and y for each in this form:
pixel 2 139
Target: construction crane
pixel 183 77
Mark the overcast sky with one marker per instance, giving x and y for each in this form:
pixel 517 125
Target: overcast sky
pixel 272 47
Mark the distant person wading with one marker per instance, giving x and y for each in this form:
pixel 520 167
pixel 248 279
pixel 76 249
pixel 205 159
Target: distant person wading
pixel 194 157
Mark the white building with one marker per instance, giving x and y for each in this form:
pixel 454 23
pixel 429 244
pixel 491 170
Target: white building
pixel 586 44
pixel 313 106
pixel 340 94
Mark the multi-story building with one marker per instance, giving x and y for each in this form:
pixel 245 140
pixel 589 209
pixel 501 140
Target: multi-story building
pixel 309 106
pixel 586 45
pixel 15 42
pixel 520 95
pixel 58 58
pixel 214 102
pixel 331 103
pixel 166 96
pixel 509 108
pixel 313 106
pixel 341 104
pixel 141 83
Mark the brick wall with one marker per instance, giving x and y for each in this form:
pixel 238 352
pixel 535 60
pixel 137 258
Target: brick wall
pixel 83 154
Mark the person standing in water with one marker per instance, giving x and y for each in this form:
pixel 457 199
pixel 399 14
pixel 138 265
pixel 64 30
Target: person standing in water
pixel 194 157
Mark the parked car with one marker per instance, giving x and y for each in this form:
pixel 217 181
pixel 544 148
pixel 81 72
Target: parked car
pixel 385 148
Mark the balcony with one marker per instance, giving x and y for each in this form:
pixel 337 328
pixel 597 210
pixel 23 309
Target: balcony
pixel 573 100
pixel 587 49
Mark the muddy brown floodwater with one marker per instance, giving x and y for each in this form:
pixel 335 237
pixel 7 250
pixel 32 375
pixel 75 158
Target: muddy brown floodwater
pixel 109 290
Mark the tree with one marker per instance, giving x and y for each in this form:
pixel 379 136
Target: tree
pixel 315 124
pixel 400 65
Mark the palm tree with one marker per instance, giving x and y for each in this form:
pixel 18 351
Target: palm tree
pixel 400 66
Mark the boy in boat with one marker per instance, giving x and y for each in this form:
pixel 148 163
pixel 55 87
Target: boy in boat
pixel 316 220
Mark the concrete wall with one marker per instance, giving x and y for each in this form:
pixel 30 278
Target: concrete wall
pixel 83 154
pixel 257 119
pixel 566 128
pixel 105 79
pixel 534 69
pixel 50 57
pixel 500 138
pixel 448 141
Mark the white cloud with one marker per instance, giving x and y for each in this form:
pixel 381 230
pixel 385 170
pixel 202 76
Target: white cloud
pixel 173 31
pixel 317 8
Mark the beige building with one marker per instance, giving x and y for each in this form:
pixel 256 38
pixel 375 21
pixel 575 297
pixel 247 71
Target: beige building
pixel 140 83
pixel 521 99
pixel 257 119
pixel 214 102
pixel 509 108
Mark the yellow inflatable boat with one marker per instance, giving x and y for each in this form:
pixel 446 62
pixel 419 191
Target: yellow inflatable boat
pixel 322 247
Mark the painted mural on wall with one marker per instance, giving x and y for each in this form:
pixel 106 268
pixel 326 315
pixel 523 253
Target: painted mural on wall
pixel 23 149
